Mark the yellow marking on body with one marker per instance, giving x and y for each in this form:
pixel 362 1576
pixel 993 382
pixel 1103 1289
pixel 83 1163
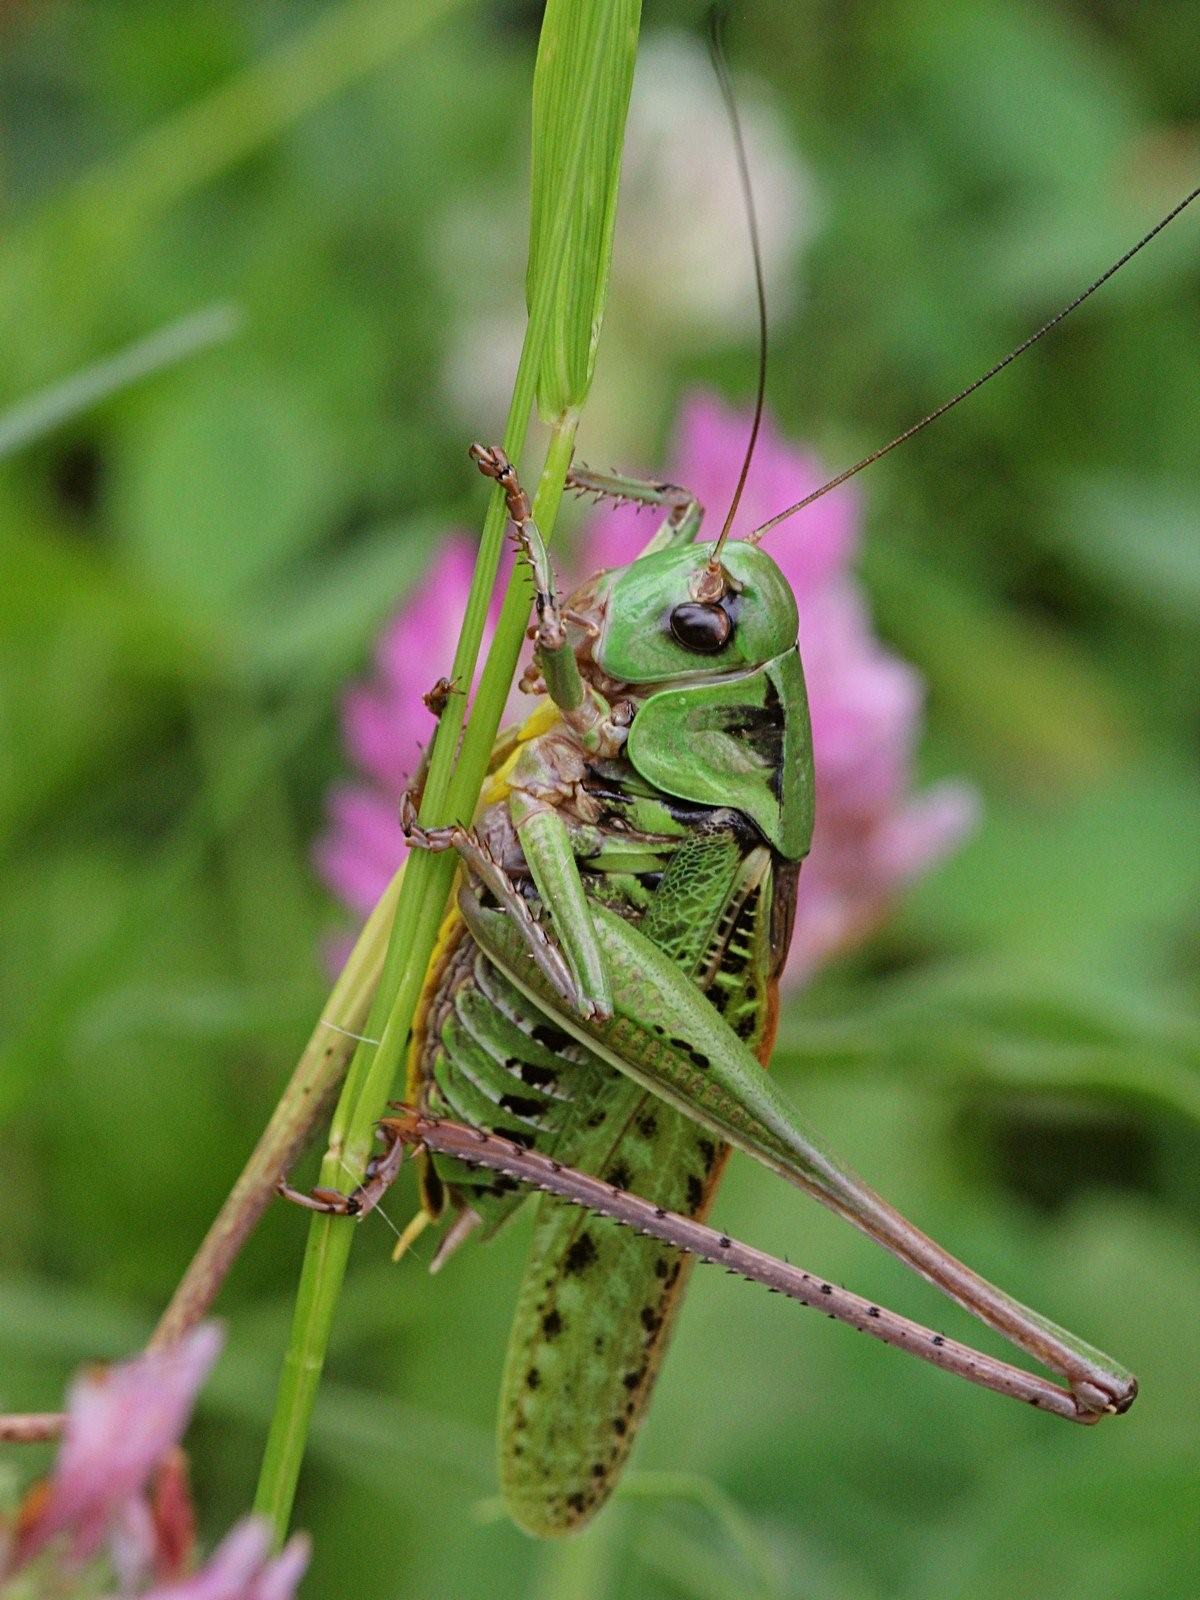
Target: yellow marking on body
pixel 539 721
pixel 447 933
pixel 413 1231
pixel 495 791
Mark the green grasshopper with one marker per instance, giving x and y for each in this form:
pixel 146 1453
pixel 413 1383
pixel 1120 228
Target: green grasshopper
pixel 603 996
pixel 603 999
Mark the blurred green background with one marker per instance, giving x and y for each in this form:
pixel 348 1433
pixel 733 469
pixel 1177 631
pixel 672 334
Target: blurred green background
pixel 194 567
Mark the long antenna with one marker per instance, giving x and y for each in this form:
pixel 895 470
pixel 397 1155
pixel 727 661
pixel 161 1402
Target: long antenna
pixel 962 394
pixel 716 48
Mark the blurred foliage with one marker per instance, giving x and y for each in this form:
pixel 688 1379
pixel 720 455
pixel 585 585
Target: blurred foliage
pixel 574 33
pixel 194 565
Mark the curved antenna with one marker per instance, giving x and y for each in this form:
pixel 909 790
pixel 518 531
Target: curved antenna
pixel 716 48
pixel 876 455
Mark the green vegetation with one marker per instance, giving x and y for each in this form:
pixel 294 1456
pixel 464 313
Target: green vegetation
pixel 321 208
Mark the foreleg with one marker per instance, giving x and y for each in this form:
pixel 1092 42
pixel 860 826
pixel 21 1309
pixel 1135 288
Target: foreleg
pixel 684 511
pixel 584 711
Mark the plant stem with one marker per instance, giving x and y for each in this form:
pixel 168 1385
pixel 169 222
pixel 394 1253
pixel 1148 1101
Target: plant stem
pixel 463 794
pixel 451 789
pixel 32 1427
pixel 366 1092
pixel 317 1075
pixel 583 1567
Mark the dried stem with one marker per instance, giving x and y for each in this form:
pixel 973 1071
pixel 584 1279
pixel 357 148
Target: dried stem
pixel 301 1108
pixel 32 1427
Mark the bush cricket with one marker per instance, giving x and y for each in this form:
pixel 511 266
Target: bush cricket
pixel 603 997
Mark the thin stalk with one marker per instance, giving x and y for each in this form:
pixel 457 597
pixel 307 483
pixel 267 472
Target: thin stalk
pixel 365 1096
pixel 451 789
pixel 318 1073
pixel 461 800
pixel 32 1427
pixel 582 1568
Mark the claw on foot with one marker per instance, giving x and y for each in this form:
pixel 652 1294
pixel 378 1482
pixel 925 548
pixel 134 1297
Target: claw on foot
pixel 1109 1399
pixel 332 1202
pixel 418 838
pixel 490 460
pixel 493 463
pixel 381 1173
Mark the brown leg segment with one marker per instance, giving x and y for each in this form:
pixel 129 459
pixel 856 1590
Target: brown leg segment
pixel 477 1148
pixel 482 866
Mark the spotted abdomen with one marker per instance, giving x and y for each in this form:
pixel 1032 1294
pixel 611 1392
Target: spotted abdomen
pixel 597 1303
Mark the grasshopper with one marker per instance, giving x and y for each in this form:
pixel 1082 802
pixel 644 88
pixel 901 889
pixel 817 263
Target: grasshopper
pixel 603 996
pixel 603 1000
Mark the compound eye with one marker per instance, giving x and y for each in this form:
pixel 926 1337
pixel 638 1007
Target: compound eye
pixel 702 628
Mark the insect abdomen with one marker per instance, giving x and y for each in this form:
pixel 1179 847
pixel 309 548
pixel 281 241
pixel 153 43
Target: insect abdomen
pixel 597 1303
pixel 594 1316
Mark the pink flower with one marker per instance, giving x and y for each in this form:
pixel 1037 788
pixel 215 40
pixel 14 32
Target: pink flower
pixel 119 1486
pixel 242 1568
pixel 122 1421
pixel 873 834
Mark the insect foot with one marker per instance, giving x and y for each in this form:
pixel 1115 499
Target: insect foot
pixel 416 837
pixel 493 463
pixel 1109 1399
pixel 330 1201
pixel 382 1171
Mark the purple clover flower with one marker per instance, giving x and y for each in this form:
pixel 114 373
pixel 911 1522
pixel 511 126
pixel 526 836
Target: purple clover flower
pixel 243 1568
pixel 119 1491
pixel 873 835
pixel 122 1422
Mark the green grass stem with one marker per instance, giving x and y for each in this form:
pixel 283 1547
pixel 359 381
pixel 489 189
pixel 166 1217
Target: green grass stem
pixel 451 791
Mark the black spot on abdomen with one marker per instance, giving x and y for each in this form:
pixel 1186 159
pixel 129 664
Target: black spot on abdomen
pixel 553 1038
pixel 581 1255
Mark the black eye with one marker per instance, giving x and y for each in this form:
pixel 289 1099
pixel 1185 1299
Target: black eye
pixel 702 628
